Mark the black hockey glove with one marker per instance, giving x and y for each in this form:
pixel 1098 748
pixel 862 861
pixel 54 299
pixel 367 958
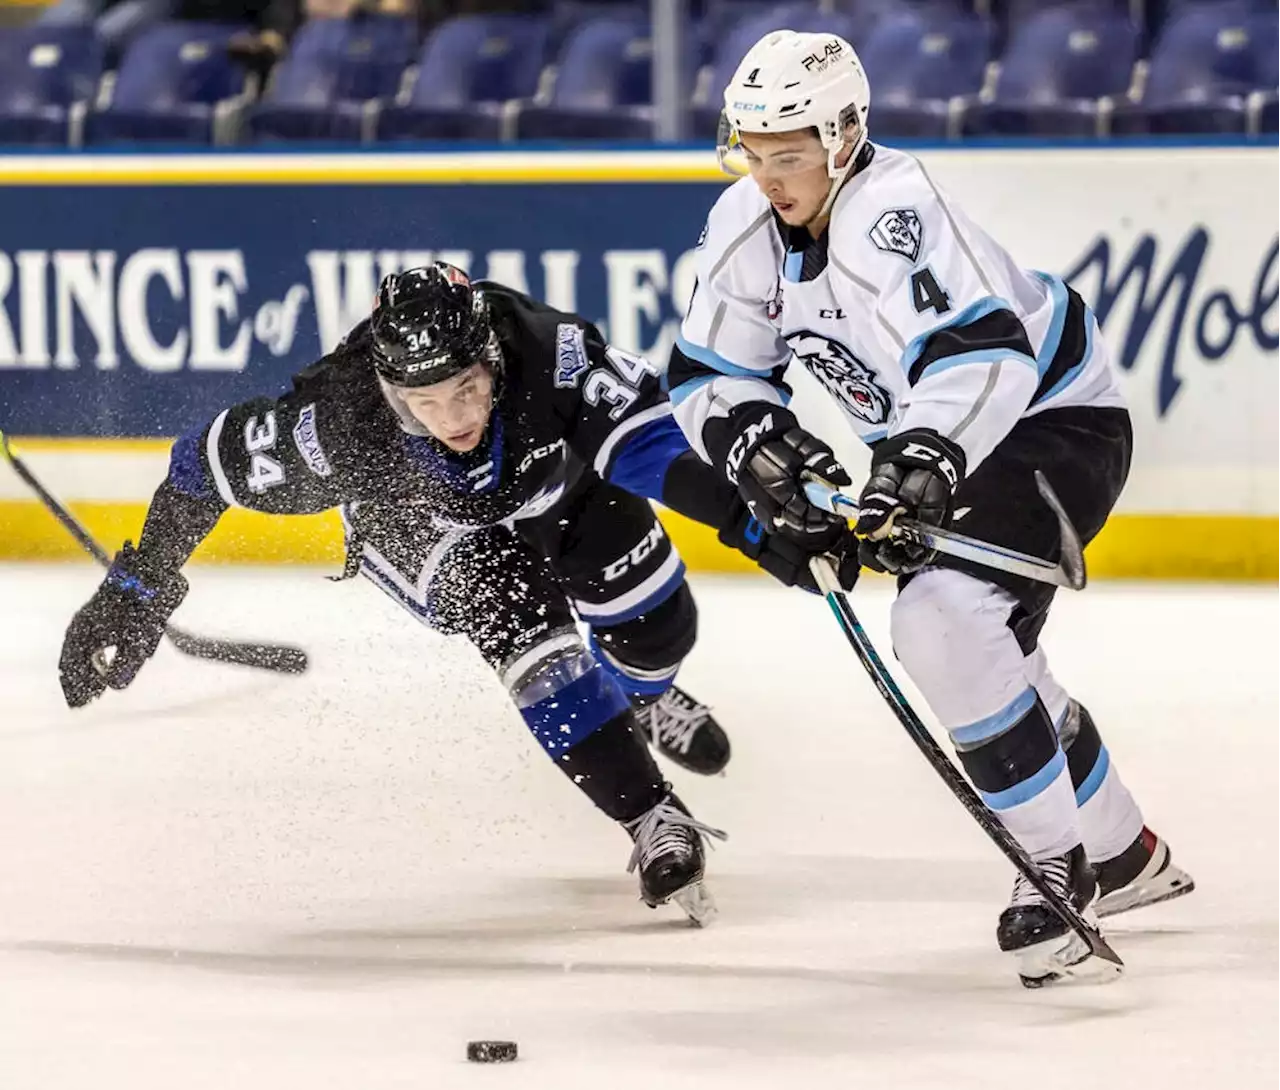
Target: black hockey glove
pixel 128 612
pixel 769 466
pixel 914 474
pixel 787 560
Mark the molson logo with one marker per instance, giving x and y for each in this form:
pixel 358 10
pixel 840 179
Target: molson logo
pixel 1154 296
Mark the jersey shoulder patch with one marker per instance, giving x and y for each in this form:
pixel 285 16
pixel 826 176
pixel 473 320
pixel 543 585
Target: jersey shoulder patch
pixel 571 355
pixel 899 231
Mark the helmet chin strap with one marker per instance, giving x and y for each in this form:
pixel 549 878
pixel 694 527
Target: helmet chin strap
pixel 840 175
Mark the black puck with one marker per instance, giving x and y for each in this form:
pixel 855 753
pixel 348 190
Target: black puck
pixel 491 1052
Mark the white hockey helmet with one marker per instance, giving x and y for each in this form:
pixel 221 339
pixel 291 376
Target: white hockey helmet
pixel 789 81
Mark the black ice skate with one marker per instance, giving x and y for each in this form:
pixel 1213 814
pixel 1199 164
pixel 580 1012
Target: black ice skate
pixel 668 851
pixel 683 730
pixel 1143 874
pixel 1045 948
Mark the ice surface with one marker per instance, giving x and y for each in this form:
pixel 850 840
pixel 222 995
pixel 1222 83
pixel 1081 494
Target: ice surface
pixel 222 879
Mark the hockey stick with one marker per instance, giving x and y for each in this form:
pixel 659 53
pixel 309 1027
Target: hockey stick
pixel 279 658
pixel 1068 572
pixel 959 786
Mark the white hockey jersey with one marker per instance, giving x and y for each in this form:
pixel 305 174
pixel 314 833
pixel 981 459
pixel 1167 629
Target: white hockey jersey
pixel 907 312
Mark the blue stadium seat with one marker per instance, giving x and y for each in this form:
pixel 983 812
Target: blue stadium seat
pixel 469 68
pixel 1204 65
pixel 718 20
pixel 175 85
pixel 801 17
pixel 47 77
pixel 1267 122
pixel 565 16
pixel 603 87
pixel 918 62
pixel 327 86
pixel 1056 68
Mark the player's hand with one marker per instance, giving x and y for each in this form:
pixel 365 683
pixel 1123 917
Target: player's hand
pixel 915 475
pixel 118 629
pixel 771 475
pixel 787 560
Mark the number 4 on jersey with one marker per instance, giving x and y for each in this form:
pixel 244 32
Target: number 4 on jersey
pixel 927 293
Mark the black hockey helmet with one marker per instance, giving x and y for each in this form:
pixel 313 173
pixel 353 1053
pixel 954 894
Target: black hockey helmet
pixel 430 324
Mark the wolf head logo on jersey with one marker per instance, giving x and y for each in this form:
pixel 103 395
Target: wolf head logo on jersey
pixel 841 372
pixel 899 231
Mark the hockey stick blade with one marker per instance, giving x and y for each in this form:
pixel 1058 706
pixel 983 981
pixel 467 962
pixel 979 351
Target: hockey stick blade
pixel 279 658
pixel 1068 573
pixel 867 655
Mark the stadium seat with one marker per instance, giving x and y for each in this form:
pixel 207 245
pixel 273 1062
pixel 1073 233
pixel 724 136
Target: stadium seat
pixel 48 75
pixel 602 89
pixel 1205 64
pixel 1056 69
pixel 802 17
pixel 469 68
pixel 718 20
pixel 1266 121
pixel 175 85
pixel 919 63
pixel 328 84
pixel 565 16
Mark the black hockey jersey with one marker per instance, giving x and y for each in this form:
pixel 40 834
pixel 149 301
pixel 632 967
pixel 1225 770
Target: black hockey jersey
pixel 567 403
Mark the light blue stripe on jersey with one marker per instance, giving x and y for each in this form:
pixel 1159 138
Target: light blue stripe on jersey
pixel 1053 337
pixel 1029 788
pixel 1089 322
pixel 874 436
pixel 687 389
pixel 988 305
pixel 972 734
pixel 981 355
pixel 1093 781
pixel 710 358
pixel 1057 322
pixel 793 266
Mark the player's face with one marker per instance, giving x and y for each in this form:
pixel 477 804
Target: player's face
pixel 791 170
pixel 455 411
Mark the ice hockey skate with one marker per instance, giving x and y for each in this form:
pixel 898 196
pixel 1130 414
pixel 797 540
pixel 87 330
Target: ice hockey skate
pixel 669 852
pixel 684 731
pixel 1045 948
pixel 1143 874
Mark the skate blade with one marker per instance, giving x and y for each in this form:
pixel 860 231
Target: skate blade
pixel 1063 959
pixel 1169 883
pixel 697 903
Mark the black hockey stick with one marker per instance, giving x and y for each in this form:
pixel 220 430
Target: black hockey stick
pixel 911 722
pixel 279 658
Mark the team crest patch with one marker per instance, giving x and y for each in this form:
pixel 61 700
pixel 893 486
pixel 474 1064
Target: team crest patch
pixel 571 355
pixel 307 440
pixel 845 376
pixel 899 231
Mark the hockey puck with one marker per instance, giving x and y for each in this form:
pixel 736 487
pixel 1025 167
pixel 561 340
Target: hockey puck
pixel 491 1052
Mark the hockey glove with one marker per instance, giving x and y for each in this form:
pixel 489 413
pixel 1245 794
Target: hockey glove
pixel 127 616
pixel 770 474
pixel 914 474
pixel 787 560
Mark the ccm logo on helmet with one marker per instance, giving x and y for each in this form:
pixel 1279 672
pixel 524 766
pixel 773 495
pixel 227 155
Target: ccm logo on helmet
pixel 816 62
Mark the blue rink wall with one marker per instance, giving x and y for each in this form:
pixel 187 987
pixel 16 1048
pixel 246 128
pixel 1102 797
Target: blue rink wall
pixel 139 293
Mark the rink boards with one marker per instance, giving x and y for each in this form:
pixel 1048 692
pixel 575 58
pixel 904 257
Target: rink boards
pixel 140 293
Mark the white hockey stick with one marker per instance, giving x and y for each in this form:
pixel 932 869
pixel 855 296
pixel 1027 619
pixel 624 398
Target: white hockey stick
pixel 1069 572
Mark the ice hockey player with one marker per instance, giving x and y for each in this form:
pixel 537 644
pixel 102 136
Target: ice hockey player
pixel 963 373
pixel 491 458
